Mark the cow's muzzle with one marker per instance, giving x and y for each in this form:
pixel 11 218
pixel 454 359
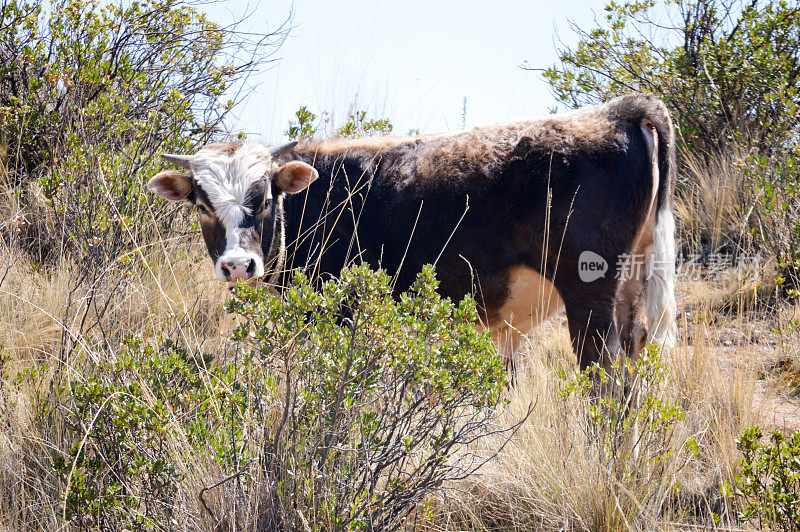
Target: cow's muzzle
pixel 241 266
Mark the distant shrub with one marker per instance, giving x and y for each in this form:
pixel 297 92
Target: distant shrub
pixel 728 69
pixel 357 125
pixel 378 397
pixel 769 481
pixel 307 125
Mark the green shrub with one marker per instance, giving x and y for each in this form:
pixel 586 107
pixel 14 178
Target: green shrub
pixel 377 396
pixel 90 93
pixel 724 67
pixel 339 409
pixel 631 425
pixel 307 126
pixel 357 125
pixel 769 481
pixel 123 469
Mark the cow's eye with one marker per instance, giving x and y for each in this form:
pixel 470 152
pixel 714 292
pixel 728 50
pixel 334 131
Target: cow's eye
pixel 202 210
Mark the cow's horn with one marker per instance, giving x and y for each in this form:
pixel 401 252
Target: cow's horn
pixel 280 150
pixel 180 160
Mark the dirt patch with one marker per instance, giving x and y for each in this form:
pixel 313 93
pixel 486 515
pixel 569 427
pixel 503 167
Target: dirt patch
pixel 775 411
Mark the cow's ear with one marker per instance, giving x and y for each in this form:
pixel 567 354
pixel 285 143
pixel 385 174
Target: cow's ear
pixel 295 176
pixel 172 185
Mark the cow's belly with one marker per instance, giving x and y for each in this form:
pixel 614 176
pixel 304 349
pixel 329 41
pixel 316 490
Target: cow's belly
pixel 531 300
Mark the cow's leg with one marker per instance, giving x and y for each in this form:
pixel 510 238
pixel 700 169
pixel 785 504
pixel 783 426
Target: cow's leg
pixel 595 339
pixel 592 328
pixel 630 316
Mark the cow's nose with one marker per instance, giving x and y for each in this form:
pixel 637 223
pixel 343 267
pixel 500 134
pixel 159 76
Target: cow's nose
pixel 238 268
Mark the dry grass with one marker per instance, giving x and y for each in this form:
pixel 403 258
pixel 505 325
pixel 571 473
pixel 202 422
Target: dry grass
pixel 548 477
pixel 715 204
pixel 174 288
pixel 164 293
pixel 552 477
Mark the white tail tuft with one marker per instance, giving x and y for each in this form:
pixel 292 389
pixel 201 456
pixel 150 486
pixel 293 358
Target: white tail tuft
pixel 661 306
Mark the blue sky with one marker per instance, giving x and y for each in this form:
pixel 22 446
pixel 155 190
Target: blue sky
pixel 411 61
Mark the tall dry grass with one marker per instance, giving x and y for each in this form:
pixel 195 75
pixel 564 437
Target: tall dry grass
pixel 548 476
pixel 552 477
pixel 55 329
pixel 716 204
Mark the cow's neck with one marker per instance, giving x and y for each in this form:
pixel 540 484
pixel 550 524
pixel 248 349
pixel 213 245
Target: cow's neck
pixel 320 218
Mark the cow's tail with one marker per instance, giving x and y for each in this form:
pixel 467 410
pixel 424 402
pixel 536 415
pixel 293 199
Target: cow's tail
pixel 661 308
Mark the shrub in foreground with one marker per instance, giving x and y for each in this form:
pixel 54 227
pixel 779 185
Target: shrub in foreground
pixel 631 435
pixel 135 421
pixel 770 479
pixel 377 396
pixel 341 409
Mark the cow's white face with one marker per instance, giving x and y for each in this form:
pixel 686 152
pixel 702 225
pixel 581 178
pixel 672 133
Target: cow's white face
pixel 236 189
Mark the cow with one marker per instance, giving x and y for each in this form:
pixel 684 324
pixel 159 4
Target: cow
pixel 570 211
